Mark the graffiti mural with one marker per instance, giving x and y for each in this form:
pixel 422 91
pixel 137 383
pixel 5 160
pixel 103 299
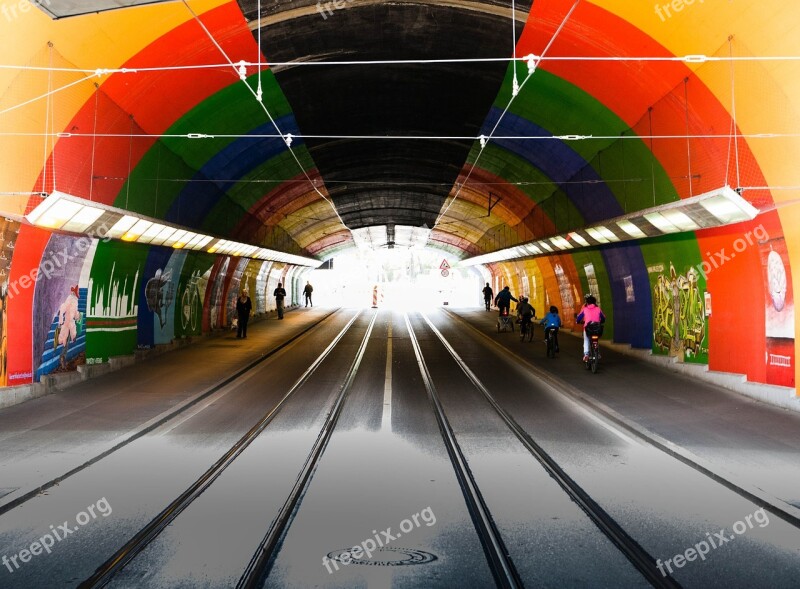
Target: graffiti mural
pixel 8 235
pixel 112 307
pixel 564 287
pixel 59 307
pixel 679 320
pixel 159 292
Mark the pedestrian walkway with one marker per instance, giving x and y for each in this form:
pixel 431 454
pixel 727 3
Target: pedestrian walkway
pixel 47 437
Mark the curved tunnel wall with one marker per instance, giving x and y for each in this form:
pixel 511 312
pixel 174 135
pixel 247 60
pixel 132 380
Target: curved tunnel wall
pixel 684 295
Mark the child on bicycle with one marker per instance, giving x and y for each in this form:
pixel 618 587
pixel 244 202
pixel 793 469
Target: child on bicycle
pixel 525 312
pixel 590 313
pixel 552 323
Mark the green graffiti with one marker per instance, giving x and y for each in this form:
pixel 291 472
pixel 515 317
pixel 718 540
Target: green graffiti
pixel 679 322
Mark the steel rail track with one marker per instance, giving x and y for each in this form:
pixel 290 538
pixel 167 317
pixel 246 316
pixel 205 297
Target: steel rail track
pixel 778 507
pixel 632 550
pixel 500 562
pixel 260 564
pixel 104 573
pixel 28 495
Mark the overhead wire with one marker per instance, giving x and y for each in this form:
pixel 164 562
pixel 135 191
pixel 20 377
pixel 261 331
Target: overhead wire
pixel 567 137
pixel 287 137
pixel 734 135
pixel 692 58
pixel 50 92
pixel 533 62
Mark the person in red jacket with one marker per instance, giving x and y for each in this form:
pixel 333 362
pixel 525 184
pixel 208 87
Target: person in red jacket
pixel 590 313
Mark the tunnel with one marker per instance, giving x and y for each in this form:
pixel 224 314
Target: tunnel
pixel 165 161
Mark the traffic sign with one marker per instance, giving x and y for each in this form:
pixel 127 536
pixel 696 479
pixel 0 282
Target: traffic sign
pixel 444 265
pixel 445 273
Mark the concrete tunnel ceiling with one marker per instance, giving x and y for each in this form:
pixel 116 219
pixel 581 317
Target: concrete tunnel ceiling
pixel 373 181
pixel 614 119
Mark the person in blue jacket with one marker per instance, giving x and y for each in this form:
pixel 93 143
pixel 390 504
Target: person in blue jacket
pixel 552 321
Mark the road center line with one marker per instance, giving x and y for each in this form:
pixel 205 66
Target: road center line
pixel 386 422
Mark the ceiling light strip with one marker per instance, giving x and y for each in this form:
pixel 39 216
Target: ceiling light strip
pixel 716 208
pixel 63 212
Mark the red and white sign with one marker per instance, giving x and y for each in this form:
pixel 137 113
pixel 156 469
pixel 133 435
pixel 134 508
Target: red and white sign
pixel 444 265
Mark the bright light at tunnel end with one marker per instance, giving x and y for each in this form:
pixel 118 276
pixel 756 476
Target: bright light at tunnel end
pixel 723 206
pixel 60 211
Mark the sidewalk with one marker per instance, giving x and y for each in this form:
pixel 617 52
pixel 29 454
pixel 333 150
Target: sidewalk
pixel 49 436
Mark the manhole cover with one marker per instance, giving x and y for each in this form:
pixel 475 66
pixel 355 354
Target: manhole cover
pixel 385 557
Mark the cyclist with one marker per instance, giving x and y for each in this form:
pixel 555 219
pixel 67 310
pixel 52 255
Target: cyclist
pixel 552 322
pixel 590 313
pixel 487 296
pixel 525 312
pixel 503 300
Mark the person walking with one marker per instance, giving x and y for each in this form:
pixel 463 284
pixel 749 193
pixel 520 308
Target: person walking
pixel 488 294
pixel 503 300
pixel 279 294
pixel 243 308
pixel 307 293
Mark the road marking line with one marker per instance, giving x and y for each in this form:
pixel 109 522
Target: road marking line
pixel 386 422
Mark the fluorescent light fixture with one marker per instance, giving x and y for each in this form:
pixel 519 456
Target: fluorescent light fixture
pixel 82 220
pixel 661 223
pixel 176 237
pixel 184 240
pixel 727 209
pixel 58 214
pixel 681 220
pixel 607 233
pixel 532 249
pixel 163 235
pixel 595 234
pixel 122 226
pixel 716 208
pixel 561 243
pixel 577 238
pixel 135 232
pixel 204 239
pixel 193 243
pixel 151 233
pixel 631 229
pixel 60 211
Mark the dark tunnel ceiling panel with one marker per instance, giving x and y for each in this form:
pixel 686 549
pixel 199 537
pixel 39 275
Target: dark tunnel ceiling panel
pixel 380 182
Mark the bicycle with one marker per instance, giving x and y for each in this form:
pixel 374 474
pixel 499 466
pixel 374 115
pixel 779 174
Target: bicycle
pixel 526 329
pixel 550 339
pixel 593 331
